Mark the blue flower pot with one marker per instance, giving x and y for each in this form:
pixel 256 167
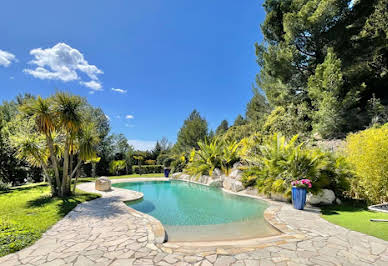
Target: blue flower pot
pixel 166 172
pixel 299 197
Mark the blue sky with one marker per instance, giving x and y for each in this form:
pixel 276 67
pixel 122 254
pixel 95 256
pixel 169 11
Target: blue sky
pixel 162 58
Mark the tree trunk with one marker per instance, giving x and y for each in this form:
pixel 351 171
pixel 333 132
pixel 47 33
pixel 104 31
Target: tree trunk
pixel 46 175
pixel 54 163
pixel 93 170
pixel 65 188
pixel 71 165
pixel 75 172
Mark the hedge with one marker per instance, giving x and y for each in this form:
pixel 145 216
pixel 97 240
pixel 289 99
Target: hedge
pixel 147 169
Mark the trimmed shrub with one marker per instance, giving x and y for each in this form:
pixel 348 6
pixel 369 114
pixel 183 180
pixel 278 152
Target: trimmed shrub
pixel 147 169
pixel 367 152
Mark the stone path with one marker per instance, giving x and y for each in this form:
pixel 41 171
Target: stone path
pixel 107 232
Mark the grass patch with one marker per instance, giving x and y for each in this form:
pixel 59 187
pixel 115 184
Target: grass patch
pixel 88 179
pixel 26 212
pixel 356 216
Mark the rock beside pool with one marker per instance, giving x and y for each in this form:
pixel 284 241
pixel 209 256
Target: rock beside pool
pixel 204 179
pixel 103 184
pixel 232 184
pixel 236 174
pixel 176 175
pixel 216 173
pixel 237 186
pixel 325 196
pixel 215 182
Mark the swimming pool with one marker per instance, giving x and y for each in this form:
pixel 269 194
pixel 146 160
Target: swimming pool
pixel 193 212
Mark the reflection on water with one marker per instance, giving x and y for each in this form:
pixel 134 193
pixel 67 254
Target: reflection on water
pixel 143 205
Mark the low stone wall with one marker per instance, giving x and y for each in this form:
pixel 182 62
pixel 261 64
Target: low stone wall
pixel 233 183
pixel 218 179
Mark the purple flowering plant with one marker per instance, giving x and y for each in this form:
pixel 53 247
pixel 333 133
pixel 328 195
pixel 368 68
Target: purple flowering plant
pixel 303 183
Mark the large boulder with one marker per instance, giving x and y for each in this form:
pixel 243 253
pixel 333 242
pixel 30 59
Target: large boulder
pixel 237 186
pixel 176 175
pixel 232 184
pixel 103 184
pixel 227 184
pixel 215 182
pixel 325 197
pixel 236 174
pixel 216 173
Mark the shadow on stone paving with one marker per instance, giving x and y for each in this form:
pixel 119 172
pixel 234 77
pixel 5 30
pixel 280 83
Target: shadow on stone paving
pixel 100 208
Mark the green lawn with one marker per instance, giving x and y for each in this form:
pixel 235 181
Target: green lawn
pixel 87 179
pixel 356 217
pixel 28 211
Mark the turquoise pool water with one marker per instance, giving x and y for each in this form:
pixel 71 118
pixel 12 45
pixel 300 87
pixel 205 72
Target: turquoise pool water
pixel 193 212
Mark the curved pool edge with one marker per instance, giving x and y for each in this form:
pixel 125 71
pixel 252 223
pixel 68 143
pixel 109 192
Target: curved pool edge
pixel 286 235
pixel 156 231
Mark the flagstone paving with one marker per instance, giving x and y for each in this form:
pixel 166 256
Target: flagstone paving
pixel 107 232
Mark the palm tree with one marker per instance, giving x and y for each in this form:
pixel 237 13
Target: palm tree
pixel 68 109
pixel 41 111
pixel 34 151
pixel 87 143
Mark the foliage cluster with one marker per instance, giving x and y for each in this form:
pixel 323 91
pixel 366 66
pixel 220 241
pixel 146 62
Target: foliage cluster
pixel 367 152
pixel 147 169
pixel 276 162
pixel 214 154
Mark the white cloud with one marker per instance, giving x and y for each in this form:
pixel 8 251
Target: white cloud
pixel 94 85
pixel 143 145
pixel 129 116
pixel 62 62
pixel 107 117
pixel 6 58
pixel 119 90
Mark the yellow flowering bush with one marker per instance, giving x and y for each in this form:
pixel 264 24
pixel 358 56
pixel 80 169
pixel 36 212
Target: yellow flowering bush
pixel 367 152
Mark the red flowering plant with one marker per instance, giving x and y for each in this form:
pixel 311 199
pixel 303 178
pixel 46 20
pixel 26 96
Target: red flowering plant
pixel 303 183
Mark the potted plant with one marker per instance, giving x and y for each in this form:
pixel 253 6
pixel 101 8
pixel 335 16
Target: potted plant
pixel 167 163
pixel 299 191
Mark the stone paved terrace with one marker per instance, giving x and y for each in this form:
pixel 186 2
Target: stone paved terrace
pixel 107 232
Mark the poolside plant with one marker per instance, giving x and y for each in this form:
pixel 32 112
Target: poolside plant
pixel 217 153
pixel 69 139
pixel 278 161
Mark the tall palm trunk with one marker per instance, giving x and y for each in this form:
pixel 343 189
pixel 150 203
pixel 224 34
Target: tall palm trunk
pixel 65 185
pixel 54 163
pixel 71 165
pixel 75 173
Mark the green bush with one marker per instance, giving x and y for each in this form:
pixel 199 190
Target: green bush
pixel 3 186
pixel 215 154
pixel 367 152
pixel 147 169
pixel 179 163
pixel 277 162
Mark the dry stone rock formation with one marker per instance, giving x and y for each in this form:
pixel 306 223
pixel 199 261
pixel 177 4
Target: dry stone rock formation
pixel 103 184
